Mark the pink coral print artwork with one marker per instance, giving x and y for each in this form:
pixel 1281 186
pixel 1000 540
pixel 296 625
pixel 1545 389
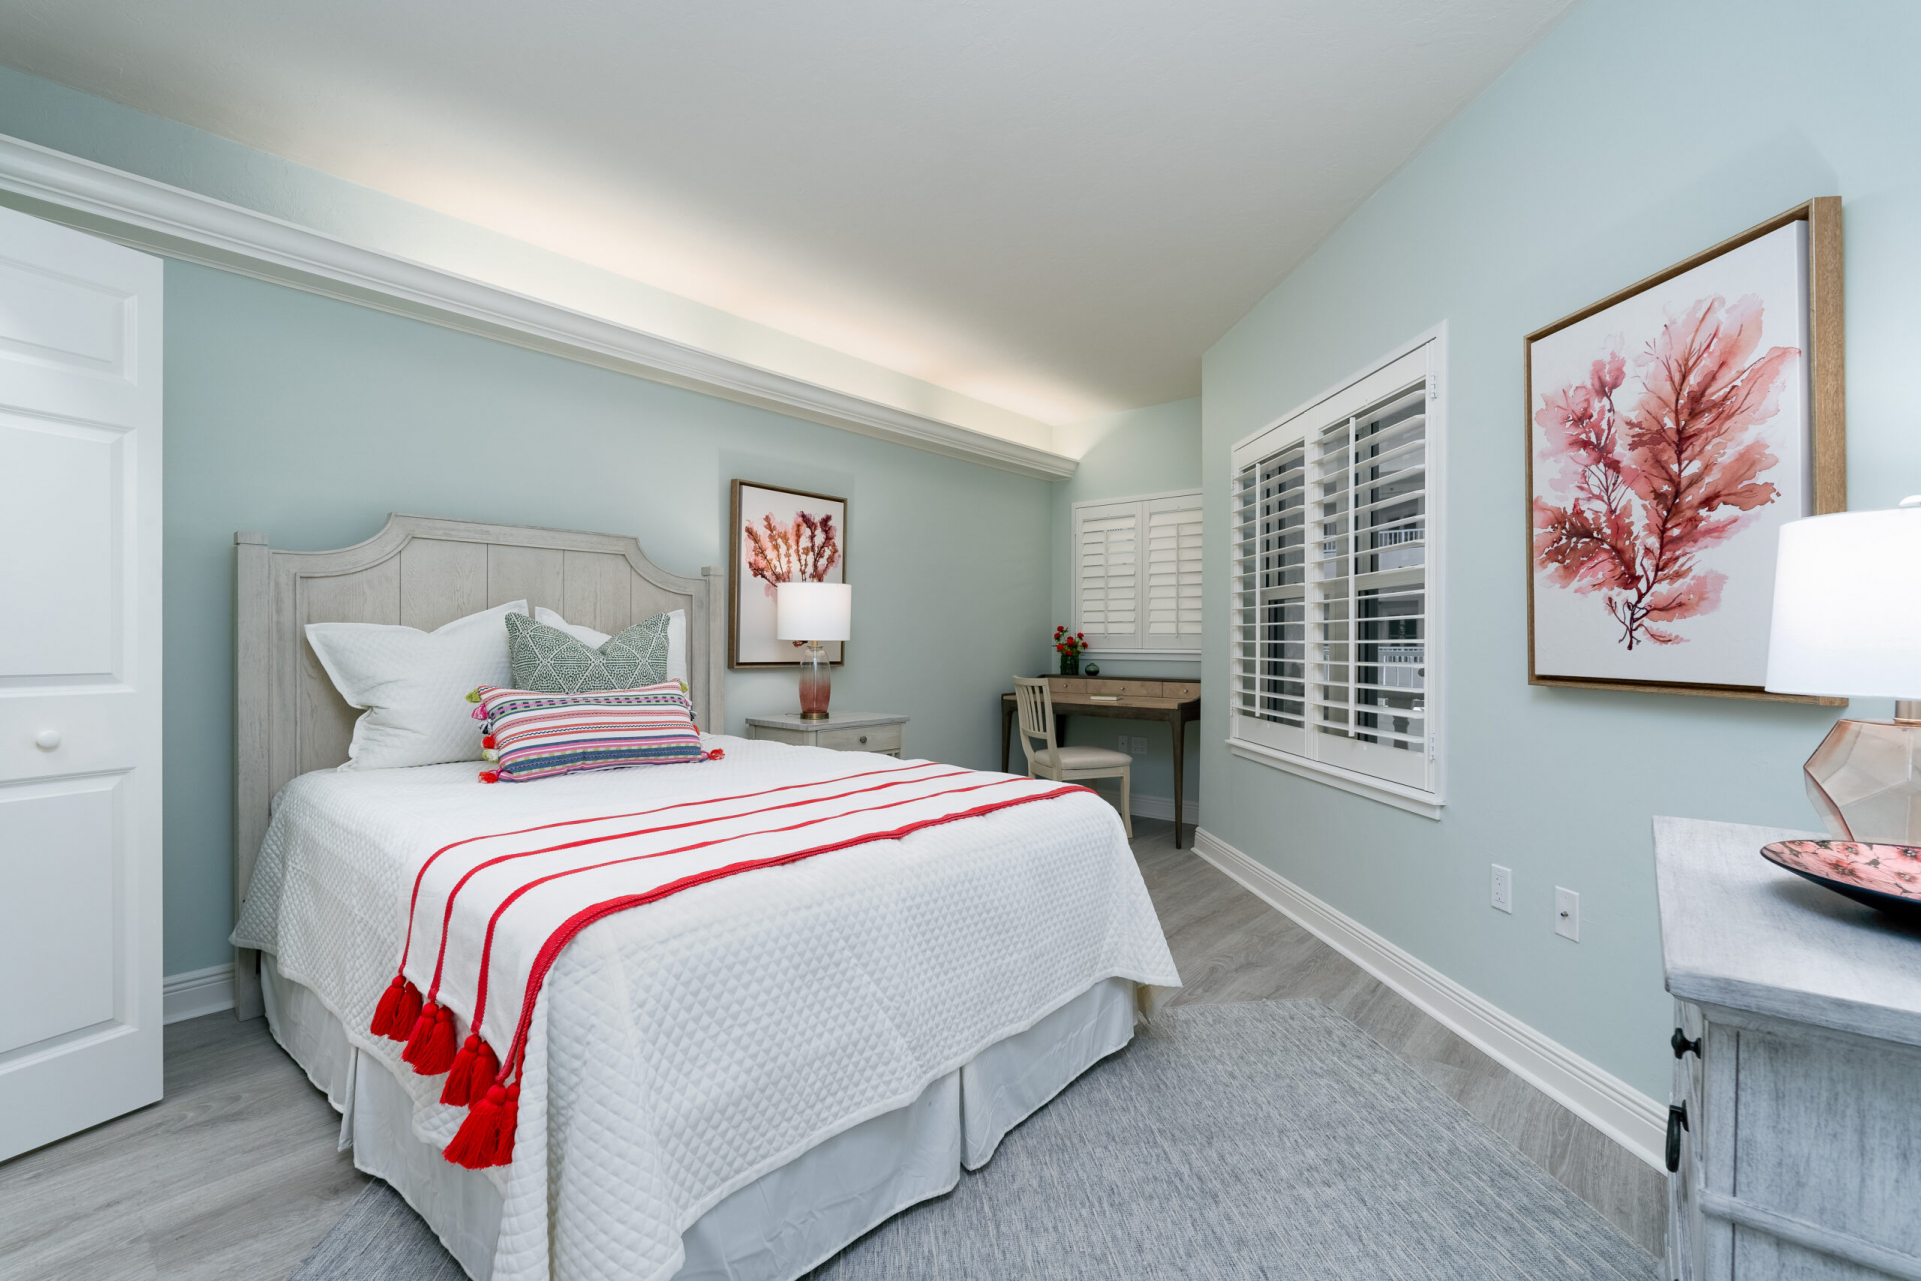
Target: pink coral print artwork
pixel 1668 444
pixel 1648 488
pixel 804 551
pixel 780 536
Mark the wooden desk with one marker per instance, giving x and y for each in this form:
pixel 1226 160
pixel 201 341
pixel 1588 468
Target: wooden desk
pixel 1175 702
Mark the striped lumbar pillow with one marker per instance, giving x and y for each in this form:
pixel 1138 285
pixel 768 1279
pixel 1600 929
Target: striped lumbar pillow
pixel 532 735
pixel 547 660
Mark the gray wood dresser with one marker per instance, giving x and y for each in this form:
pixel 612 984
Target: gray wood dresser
pixel 842 731
pixel 1795 1130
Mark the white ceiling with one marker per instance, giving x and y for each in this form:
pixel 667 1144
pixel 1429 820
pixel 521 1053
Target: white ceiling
pixel 1051 206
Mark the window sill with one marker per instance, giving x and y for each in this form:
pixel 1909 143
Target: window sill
pixel 1172 655
pixel 1425 804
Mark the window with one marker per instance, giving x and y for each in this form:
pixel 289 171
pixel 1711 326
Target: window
pixel 1137 575
pixel 1336 518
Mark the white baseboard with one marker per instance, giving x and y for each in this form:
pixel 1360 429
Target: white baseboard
pixel 197 992
pixel 1597 1096
pixel 1162 807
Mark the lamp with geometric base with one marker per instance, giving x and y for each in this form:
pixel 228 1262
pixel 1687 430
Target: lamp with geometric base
pixel 1847 623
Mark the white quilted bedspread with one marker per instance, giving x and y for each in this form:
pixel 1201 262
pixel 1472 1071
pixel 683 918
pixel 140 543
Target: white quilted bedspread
pixel 683 1049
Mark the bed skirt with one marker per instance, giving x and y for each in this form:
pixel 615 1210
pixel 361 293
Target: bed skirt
pixel 785 1222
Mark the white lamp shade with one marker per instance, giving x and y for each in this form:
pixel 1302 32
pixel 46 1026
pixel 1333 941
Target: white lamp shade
pixel 813 611
pixel 1847 606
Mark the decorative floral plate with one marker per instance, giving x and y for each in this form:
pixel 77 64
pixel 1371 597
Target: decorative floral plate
pixel 1883 876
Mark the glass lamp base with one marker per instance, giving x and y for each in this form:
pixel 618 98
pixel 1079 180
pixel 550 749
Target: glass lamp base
pixel 815 685
pixel 1865 780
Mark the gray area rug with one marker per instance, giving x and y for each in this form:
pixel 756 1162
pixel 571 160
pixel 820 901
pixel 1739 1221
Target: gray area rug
pixel 1271 1139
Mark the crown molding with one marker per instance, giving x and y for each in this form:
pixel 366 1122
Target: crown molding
pixel 183 224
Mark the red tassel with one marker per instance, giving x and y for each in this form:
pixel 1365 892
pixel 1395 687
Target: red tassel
pixel 384 1013
pixel 503 1134
pixel 490 776
pixel 718 753
pixel 406 1013
pixel 486 1137
pixel 485 1072
pixel 436 1053
pixel 422 1029
pixel 487 740
pixel 472 1074
pixel 464 1148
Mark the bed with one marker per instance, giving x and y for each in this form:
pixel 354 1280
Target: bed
pixel 733 1082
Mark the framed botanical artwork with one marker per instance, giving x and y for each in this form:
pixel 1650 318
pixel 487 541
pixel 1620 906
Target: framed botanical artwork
pixel 1672 429
pixel 780 536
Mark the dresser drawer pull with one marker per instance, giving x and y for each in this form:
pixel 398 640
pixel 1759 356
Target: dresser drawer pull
pixel 1677 1122
pixel 1682 1045
pixel 863 738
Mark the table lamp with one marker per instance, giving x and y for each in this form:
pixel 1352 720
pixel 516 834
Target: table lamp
pixel 811 613
pixel 1847 623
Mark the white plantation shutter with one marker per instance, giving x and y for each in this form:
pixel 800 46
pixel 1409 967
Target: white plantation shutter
pixel 1108 573
pixel 1173 572
pixel 1137 573
pixel 1334 663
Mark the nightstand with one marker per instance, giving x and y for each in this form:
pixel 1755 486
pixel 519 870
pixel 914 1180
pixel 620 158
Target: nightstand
pixel 841 731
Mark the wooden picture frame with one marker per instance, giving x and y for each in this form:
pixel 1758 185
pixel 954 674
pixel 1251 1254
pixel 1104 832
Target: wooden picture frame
pixel 746 647
pixel 1826 442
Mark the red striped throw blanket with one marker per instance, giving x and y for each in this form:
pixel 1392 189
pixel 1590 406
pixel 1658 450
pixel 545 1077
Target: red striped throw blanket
pixel 490 913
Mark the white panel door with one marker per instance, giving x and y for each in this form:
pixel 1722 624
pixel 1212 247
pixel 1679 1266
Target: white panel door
pixel 79 681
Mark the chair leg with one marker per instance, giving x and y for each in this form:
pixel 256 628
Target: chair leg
pixel 1127 808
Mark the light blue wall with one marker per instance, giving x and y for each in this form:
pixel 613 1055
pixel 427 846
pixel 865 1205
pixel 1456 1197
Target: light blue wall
pixel 312 419
pixel 1138 451
pixel 1637 133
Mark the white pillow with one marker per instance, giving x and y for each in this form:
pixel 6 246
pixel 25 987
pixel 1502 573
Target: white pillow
pixel 413 685
pixel 676 637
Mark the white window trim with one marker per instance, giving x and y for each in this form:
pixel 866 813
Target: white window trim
pixel 1189 654
pixel 1414 800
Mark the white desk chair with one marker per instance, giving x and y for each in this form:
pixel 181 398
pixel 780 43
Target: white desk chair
pixel 1035 704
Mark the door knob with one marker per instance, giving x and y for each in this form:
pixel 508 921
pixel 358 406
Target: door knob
pixel 47 739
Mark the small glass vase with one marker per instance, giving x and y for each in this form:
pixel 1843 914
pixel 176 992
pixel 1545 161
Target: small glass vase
pixel 815 685
pixel 1070 664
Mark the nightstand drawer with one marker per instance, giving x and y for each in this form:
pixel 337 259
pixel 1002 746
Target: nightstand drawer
pixel 781 734
pixel 868 738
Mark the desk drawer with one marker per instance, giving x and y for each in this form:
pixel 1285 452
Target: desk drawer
pixel 1125 688
pixel 866 738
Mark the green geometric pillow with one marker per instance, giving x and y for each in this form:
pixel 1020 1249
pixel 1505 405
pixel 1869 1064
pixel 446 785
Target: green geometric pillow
pixel 546 660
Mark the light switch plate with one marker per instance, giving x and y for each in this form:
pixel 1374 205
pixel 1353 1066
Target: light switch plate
pixel 1567 914
pixel 1124 743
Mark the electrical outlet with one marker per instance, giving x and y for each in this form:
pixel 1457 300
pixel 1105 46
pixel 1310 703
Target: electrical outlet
pixel 1124 744
pixel 1567 914
pixel 1140 747
pixel 1503 896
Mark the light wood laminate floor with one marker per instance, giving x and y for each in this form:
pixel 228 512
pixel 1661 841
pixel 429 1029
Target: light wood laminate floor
pixel 235 1174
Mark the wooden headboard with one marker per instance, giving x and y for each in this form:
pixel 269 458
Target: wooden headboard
pixel 420 572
